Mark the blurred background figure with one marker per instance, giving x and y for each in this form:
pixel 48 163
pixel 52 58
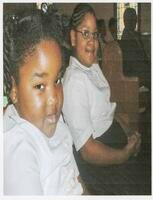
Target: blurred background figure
pixel 102 29
pixel 135 59
pixel 112 25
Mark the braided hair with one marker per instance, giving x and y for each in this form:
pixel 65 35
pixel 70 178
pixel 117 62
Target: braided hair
pixel 22 32
pixel 79 12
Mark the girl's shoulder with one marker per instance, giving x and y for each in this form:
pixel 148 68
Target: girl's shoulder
pixel 75 75
pixel 16 142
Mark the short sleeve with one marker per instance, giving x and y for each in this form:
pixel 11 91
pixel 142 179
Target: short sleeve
pixel 76 110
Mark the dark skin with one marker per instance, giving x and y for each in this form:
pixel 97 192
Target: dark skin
pixel 38 97
pixel 94 151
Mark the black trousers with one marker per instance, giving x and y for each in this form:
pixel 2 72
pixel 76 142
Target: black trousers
pixel 115 179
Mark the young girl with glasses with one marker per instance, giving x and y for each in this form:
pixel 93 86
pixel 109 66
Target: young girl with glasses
pixel 101 146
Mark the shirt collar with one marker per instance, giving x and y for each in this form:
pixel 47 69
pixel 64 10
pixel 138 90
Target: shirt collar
pixel 74 62
pixel 11 118
pixel 94 73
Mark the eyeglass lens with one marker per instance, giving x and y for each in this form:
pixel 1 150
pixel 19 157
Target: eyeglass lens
pixel 86 34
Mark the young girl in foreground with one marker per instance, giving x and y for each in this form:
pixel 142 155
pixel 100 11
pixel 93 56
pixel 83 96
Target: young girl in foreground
pixel 38 157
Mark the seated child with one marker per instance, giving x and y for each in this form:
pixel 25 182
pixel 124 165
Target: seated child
pixel 102 150
pixel 38 158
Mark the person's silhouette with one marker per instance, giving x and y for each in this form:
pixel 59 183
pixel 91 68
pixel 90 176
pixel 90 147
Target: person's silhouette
pixel 113 27
pixel 135 60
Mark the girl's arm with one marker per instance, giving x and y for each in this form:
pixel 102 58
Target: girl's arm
pixel 98 153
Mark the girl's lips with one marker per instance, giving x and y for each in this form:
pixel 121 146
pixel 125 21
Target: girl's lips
pixel 90 51
pixel 52 118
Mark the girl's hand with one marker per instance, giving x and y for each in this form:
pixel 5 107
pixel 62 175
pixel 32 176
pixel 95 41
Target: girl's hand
pixel 133 146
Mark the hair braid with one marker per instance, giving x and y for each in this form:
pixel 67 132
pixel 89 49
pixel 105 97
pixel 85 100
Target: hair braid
pixel 79 12
pixel 8 30
pixel 22 32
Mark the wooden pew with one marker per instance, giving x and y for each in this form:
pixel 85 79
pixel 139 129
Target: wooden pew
pixel 124 90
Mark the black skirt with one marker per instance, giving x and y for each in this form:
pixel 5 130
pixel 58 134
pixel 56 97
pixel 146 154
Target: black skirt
pixel 123 179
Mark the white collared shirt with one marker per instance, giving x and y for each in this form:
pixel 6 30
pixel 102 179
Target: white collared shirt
pixel 87 108
pixel 35 164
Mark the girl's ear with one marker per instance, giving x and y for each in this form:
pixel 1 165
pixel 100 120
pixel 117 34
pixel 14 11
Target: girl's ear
pixel 13 92
pixel 73 37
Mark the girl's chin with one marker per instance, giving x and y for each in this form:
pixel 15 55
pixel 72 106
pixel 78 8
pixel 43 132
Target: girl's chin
pixel 89 62
pixel 49 131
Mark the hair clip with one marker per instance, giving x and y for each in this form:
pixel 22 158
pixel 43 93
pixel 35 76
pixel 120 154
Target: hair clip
pixel 48 8
pixel 14 19
pixel 44 7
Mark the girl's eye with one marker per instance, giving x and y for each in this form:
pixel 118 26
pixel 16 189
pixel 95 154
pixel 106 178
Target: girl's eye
pixel 40 87
pixel 86 33
pixel 58 81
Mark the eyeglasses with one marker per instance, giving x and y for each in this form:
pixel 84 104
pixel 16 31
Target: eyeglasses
pixel 87 34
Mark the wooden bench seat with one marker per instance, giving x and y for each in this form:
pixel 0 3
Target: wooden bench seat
pixel 124 90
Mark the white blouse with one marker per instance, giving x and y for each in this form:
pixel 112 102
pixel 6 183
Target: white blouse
pixel 35 164
pixel 87 108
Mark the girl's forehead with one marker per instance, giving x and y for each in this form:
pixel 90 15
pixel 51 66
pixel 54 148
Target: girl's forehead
pixel 88 19
pixel 42 46
pixel 46 57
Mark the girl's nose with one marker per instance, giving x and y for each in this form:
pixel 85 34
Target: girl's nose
pixel 91 38
pixel 51 100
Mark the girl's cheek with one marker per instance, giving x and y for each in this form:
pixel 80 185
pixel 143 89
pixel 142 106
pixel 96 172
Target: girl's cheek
pixel 61 96
pixel 38 101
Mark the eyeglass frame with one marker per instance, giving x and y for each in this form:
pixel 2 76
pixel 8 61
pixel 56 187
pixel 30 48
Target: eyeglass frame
pixel 90 33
